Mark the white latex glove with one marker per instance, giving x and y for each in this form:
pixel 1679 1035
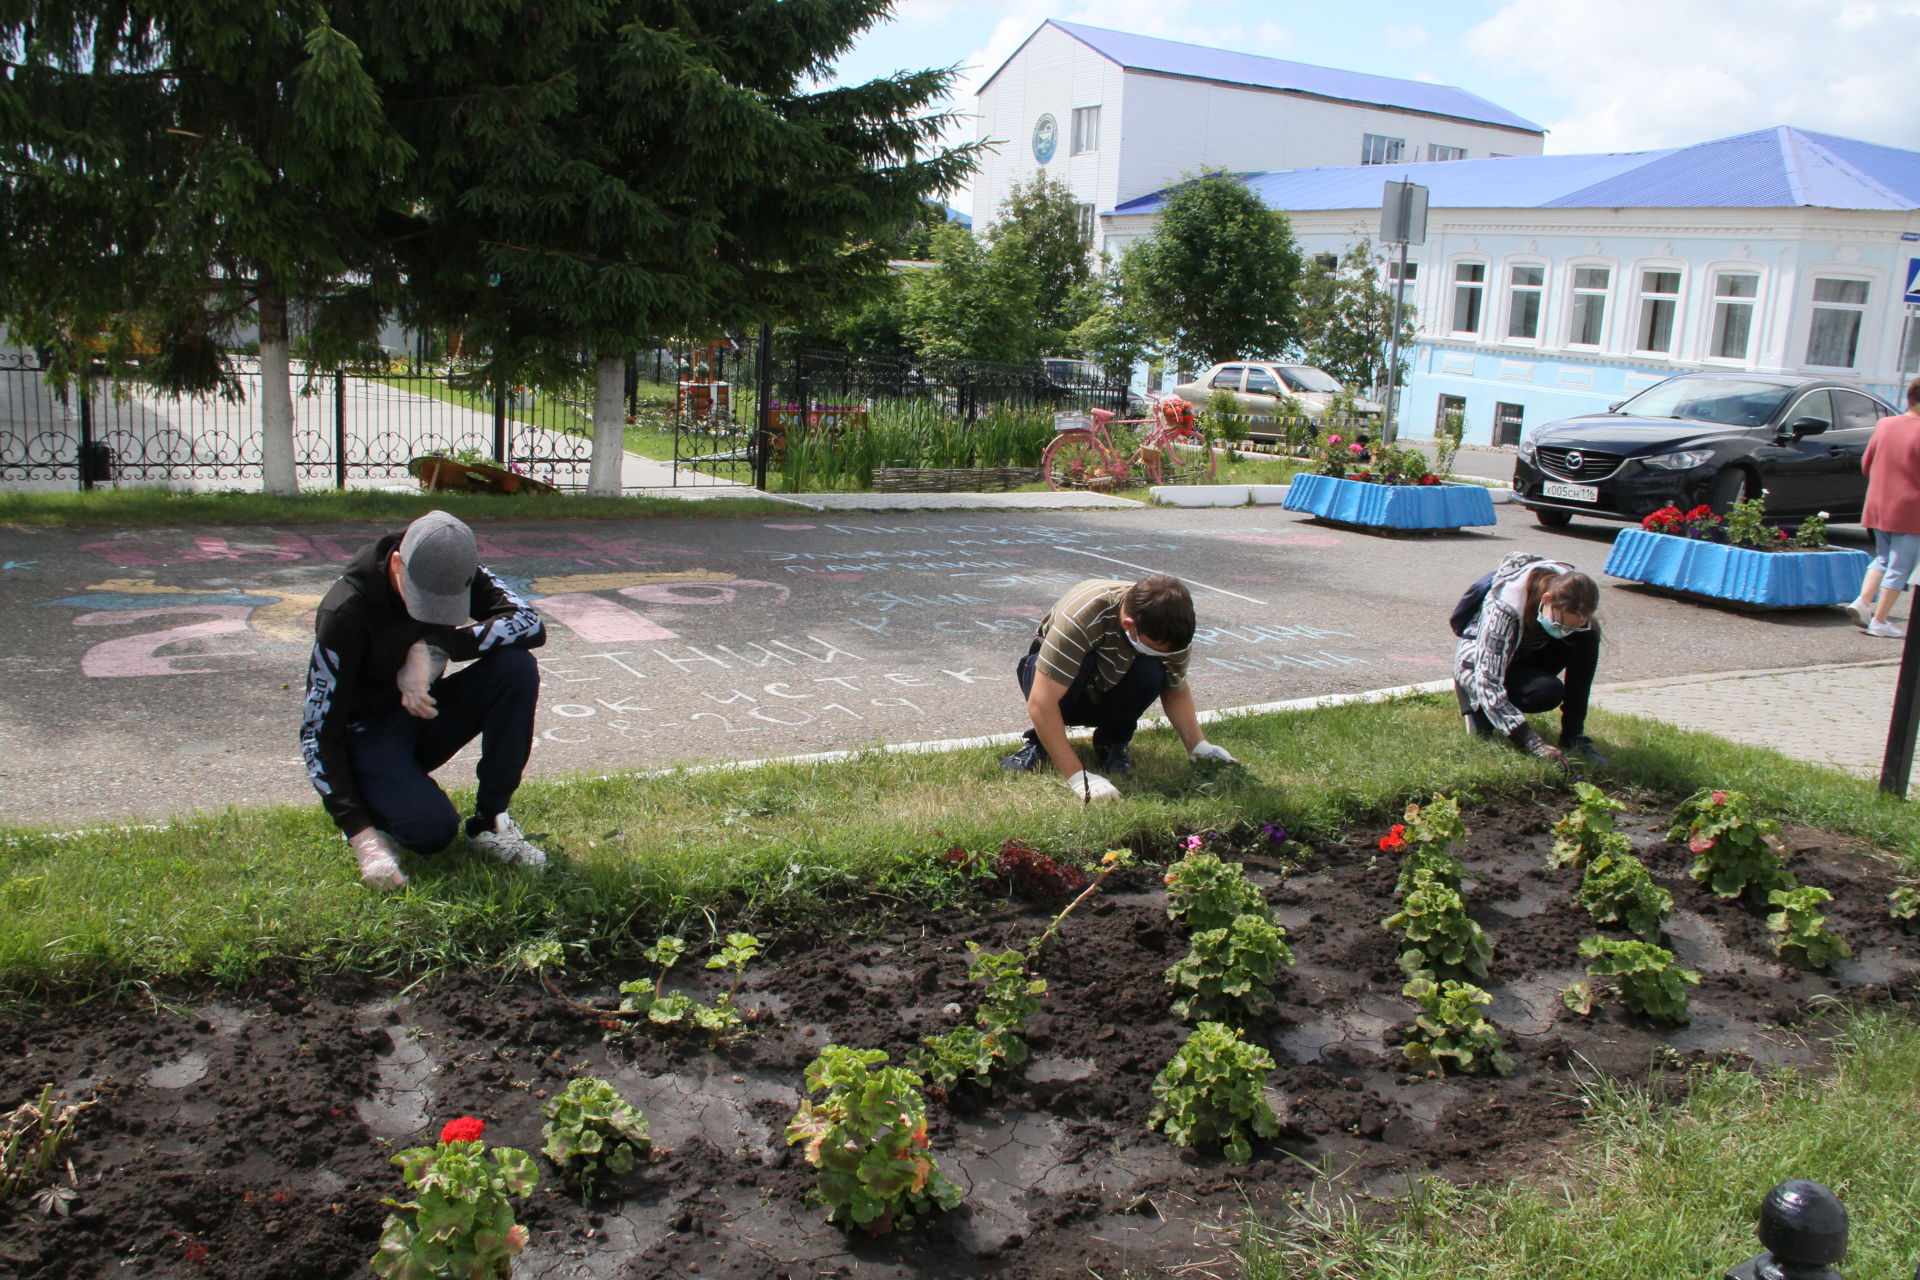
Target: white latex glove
pixel 1204 750
pixel 423 666
pixel 379 860
pixel 1091 786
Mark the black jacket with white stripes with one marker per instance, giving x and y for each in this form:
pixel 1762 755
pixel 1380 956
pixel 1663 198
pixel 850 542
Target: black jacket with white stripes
pixel 362 632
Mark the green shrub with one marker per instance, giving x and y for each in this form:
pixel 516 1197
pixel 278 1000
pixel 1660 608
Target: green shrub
pixel 1214 1091
pixel 1433 919
pixel 1616 889
pixel 1651 984
pixel 458 1221
pixel 1738 852
pixel 1587 830
pixel 1800 929
pixel 591 1129
pixel 1204 893
pixel 977 1052
pixel 868 1138
pixel 1903 904
pixel 1451 1028
pixel 1230 971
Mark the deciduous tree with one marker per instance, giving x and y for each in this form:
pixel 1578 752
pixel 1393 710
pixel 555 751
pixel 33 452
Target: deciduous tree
pixel 1346 320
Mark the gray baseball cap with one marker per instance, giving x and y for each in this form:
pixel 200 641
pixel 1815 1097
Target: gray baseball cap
pixel 438 557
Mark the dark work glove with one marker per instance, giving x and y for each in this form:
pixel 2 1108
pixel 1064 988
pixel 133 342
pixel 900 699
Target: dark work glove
pixel 1579 744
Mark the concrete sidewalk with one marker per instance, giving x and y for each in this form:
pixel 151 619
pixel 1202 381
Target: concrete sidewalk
pixel 1833 715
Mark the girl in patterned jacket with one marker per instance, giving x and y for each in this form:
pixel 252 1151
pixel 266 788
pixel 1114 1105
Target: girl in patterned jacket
pixel 1534 646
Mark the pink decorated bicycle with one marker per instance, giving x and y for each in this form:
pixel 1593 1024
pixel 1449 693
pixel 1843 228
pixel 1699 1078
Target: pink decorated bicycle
pixel 1172 450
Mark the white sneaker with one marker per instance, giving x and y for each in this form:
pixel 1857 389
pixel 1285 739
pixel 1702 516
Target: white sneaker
pixel 506 843
pixel 1858 612
pixel 1886 630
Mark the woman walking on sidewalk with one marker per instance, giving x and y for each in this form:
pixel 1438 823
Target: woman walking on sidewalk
pixel 1892 467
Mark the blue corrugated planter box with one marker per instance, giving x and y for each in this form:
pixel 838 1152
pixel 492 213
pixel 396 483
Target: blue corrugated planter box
pixel 1391 506
pixel 1774 579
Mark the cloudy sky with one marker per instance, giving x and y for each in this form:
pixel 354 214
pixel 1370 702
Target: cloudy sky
pixel 1601 75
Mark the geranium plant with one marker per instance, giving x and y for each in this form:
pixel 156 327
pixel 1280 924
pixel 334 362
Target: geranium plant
pixel 592 1130
pixel 458 1223
pixel 1616 889
pixel 1651 984
pixel 1425 842
pixel 1451 1029
pixel 1738 852
pixel 868 1138
pixel 1205 893
pixel 1440 935
pixel 1799 928
pixel 1903 904
pixel 1229 971
pixel 1214 1091
pixel 1744 525
pixel 661 1007
pixel 1586 832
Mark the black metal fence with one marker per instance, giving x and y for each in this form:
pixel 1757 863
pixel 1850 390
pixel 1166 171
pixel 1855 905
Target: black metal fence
pixel 349 424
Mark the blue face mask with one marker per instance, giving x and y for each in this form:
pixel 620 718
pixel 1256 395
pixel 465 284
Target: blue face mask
pixel 1554 629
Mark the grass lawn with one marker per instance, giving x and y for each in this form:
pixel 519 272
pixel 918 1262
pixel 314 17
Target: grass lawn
pixel 1656 1191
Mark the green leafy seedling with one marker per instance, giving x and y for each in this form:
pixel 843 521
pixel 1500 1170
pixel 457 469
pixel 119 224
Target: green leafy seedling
pixel 590 1131
pixel 867 1136
pixel 1451 1029
pixel 1214 1092
pixel 1229 972
pixel 1616 889
pixel 1903 904
pixel 1800 933
pixel 1651 984
pixel 1586 832
pixel 993 1043
pixel 1738 852
pixel 1433 918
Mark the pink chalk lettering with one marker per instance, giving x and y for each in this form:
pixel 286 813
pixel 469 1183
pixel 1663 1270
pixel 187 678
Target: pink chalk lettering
pixel 139 655
pixel 598 620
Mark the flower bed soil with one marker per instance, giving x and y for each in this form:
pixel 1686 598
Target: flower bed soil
pixel 249 1136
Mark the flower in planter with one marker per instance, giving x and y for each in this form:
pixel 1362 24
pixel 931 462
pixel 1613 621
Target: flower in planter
pixel 1356 450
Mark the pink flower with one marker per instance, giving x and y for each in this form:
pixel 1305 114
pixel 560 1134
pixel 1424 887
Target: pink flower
pixel 1333 439
pixel 1700 844
pixel 1355 450
pixel 1719 797
pixel 1194 842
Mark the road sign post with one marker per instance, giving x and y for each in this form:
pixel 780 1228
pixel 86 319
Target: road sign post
pixel 1403 221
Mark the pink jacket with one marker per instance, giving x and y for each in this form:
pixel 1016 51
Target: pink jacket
pixel 1892 467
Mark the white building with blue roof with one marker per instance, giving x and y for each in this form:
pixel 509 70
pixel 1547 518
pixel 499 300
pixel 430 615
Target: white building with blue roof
pixel 1550 286
pixel 1116 116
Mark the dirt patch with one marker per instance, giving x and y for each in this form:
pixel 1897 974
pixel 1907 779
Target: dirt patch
pixel 249 1137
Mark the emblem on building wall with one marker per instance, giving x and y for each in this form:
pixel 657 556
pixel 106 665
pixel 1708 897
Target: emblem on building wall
pixel 1046 136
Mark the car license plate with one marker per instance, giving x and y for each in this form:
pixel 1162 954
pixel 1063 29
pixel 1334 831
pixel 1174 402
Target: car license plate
pixel 1576 492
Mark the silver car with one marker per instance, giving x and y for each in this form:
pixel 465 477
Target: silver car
pixel 1259 385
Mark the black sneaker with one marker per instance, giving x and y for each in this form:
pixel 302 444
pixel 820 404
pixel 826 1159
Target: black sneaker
pixel 1579 744
pixel 1025 760
pixel 1114 761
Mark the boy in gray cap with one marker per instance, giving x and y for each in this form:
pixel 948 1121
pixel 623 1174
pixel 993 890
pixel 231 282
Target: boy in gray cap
pixel 380 718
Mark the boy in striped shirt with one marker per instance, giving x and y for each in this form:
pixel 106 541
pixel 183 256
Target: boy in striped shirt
pixel 1104 652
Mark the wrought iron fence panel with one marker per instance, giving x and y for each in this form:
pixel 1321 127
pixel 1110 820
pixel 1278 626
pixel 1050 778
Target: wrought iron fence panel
pixel 39 427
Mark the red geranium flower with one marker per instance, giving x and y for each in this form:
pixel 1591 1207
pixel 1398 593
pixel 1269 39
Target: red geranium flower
pixel 1700 844
pixel 465 1129
pixel 1394 838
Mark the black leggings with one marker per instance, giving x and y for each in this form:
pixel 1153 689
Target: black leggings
pixel 1549 673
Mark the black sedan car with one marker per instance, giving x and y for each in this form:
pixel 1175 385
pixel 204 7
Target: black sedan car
pixel 1712 438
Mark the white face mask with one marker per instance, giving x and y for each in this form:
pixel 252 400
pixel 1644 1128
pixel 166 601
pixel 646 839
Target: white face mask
pixel 1141 648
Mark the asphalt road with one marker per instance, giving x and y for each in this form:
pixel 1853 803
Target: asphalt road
pixel 147 672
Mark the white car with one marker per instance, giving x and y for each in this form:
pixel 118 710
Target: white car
pixel 1259 386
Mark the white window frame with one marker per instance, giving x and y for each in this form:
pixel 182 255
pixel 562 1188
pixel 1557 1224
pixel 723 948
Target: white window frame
pixel 1577 291
pixel 1086 130
pixel 1407 287
pixel 1710 322
pixel 1088 224
pixel 1859 310
pixel 1435 150
pixel 1642 296
pixel 1455 285
pixel 1907 358
pixel 1511 296
pixel 1389 151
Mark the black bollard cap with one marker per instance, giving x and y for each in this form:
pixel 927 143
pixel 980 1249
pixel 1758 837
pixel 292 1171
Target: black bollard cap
pixel 1803 1225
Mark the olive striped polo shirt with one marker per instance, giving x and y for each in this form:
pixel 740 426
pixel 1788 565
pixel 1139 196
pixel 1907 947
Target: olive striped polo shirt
pixel 1087 620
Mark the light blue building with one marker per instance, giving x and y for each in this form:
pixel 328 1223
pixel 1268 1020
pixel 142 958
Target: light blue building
pixel 1556 285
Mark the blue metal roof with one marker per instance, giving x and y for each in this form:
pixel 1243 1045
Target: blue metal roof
pixel 1175 57
pixel 1772 168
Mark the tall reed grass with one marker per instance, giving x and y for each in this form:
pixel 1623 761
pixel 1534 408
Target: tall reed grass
pixel 911 433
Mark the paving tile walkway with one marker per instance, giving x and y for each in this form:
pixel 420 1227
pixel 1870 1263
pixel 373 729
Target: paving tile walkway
pixel 1834 715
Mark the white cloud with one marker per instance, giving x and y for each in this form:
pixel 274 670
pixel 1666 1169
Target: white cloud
pixel 1638 74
